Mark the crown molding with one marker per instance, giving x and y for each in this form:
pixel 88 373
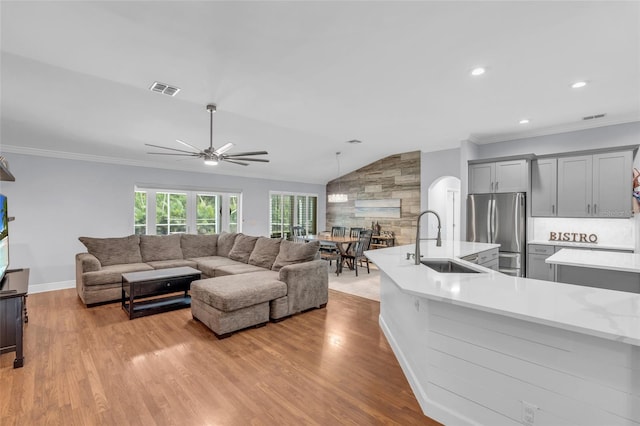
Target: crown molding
pixel 551 130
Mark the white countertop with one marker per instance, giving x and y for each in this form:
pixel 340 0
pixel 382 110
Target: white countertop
pixel 608 314
pixel 582 245
pixel 627 262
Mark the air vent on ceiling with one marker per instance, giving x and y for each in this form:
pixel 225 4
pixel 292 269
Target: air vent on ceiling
pixel 165 89
pixel 591 117
pixel 354 141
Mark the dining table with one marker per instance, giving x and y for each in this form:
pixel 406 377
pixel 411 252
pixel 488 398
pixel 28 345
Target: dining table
pixel 343 244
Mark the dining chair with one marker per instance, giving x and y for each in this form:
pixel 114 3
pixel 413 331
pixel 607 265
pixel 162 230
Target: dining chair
pixel 357 255
pixel 355 232
pixel 298 233
pixel 338 231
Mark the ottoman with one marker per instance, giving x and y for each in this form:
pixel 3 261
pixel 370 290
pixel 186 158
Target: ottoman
pixel 233 302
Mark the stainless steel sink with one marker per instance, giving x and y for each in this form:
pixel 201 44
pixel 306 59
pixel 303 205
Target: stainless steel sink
pixel 448 266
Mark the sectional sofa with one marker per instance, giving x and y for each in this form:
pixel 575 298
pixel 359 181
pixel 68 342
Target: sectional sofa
pixel 289 276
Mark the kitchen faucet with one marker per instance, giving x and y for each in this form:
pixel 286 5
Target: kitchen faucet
pixel 438 238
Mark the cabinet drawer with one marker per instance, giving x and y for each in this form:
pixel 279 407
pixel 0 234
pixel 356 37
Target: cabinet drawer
pixel 151 288
pixel 540 249
pixel 487 256
pixel 492 264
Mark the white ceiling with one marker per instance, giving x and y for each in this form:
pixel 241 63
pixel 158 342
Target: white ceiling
pixel 299 79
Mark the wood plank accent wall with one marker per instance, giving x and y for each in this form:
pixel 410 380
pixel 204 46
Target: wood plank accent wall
pixel 396 176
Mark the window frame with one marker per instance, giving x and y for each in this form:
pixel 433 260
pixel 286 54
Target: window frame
pixel 222 200
pixel 285 233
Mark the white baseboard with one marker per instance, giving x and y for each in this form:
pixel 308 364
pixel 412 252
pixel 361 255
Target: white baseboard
pixel 60 285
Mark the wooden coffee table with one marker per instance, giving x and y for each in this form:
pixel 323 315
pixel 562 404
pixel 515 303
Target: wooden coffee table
pixel 151 292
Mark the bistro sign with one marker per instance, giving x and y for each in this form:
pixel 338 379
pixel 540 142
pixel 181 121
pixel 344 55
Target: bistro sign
pixel 573 237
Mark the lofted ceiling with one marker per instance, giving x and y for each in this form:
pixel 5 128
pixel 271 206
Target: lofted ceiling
pixel 299 79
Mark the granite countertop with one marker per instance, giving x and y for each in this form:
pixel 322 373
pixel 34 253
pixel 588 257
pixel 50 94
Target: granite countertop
pixel 627 262
pixel 608 314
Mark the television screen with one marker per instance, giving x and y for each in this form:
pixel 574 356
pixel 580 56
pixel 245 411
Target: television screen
pixel 4 236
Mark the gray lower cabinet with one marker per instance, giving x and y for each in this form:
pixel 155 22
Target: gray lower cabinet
pixel 536 266
pixel 487 258
pixel 601 278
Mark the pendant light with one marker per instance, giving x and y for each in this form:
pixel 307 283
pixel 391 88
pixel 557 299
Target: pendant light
pixel 338 197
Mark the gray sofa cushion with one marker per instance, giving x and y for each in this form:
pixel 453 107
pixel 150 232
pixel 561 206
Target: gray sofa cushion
pixel 208 265
pixel 242 248
pixel 291 253
pixel 112 274
pixel 240 268
pixel 225 243
pixel 265 252
pixel 114 251
pixel 198 245
pixel 160 247
pixel 238 291
pixel 172 263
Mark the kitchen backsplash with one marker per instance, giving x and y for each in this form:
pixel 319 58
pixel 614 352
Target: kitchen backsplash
pixel 574 231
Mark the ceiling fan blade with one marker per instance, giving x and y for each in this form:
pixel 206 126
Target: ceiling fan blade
pixel 235 162
pixel 242 154
pixel 224 148
pixel 261 160
pixel 170 153
pixel 172 149
pixel 188 144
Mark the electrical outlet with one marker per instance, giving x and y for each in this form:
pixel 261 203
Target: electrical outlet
pixel 528 413
pixel 416 303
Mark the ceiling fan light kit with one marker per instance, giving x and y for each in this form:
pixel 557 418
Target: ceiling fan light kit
pixel 210 155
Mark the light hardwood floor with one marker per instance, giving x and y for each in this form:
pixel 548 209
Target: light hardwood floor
pixel 94 366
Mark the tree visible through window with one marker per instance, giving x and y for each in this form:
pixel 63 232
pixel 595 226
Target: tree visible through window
pixel 171 213
pixel 206 213
pixel 140 213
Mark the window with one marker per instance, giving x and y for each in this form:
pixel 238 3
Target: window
pixel 288 210
pixel 165 211
pixel 140 213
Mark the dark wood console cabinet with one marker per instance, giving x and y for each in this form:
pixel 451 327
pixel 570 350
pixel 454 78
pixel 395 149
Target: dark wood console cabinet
pixel 13 295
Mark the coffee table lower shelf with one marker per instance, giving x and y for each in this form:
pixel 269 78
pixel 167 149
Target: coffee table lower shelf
pixel 143 308
pixel 152 292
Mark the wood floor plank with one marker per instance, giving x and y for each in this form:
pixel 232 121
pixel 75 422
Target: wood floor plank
pixel 95 366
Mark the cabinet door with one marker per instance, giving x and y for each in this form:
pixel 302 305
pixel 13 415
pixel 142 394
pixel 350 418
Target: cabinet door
pixel 612 184
pixel 511 176
pixel 481 177
pixel 575 186
pixel 538 269
pixel 544 187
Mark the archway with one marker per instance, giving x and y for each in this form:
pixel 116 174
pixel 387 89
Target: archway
pixel 444 198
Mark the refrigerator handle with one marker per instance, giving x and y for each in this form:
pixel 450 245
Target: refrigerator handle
pixel 489 214
pixel 494 218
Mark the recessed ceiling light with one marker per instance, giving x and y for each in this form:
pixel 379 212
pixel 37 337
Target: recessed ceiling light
pixel 478 71
pixel 578 84
pixel 524 121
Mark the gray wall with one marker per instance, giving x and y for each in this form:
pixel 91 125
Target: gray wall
pixel 55 201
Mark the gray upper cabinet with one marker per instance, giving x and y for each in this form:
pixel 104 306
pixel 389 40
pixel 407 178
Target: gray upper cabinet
pixel 500 176
pixel 595 185
pixel 544 188
pixel 481 178
pixel 611 184
pixel 575 186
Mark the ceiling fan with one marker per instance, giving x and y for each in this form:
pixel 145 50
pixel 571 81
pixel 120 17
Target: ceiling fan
pixel 212 156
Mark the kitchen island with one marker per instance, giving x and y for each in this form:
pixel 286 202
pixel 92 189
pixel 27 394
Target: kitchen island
pixel 487 348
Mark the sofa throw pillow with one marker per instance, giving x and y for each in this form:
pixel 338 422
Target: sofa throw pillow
pixel 160 247
pixel 291 253
pixel 242 248
pixel 198 245
pixel 225 243
pixel 265 252
pixel 114 251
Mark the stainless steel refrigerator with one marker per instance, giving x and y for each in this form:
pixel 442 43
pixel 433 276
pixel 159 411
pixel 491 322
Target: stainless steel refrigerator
pixel 500 219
